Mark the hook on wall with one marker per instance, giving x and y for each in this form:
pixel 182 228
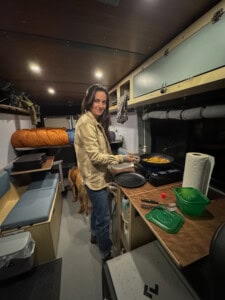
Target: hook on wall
pixel 163 88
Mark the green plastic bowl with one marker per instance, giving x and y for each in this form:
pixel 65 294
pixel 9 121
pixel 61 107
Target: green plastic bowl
pixel 190 201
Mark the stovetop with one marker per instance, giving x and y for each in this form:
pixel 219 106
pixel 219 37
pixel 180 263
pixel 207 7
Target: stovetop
pixel 158 176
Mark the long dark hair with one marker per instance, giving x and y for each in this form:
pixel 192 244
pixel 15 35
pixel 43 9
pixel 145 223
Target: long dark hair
pixel 88 100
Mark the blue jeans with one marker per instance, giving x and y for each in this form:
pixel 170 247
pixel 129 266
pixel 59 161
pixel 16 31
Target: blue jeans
pixel 100 219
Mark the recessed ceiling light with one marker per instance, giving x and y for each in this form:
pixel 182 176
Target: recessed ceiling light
pixel 51 91
pixel 98 74
pixel 35 68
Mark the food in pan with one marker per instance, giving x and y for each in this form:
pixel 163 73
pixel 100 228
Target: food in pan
pixel 156 160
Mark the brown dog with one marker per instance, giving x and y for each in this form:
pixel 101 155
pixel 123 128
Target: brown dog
pixel 79 191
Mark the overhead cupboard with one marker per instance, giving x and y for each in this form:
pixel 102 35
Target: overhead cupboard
pixel 200 53
pixel 193 62
pixel 124 90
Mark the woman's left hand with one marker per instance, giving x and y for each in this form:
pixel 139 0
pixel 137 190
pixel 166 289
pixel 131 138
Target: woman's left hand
pixel 131 158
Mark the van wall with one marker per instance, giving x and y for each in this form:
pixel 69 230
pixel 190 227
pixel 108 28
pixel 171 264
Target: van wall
pixel 8 124
pixel 59 121
pixel 129 131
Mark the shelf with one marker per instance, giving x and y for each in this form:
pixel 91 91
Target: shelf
pixel 13 109
pixel 43 147
pixel 125 89
pixel 113 108
pixel 45 167
pixel 133 232
pixel 113 98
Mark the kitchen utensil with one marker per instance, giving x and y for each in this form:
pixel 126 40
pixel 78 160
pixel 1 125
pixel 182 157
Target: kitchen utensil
pixel 171 205
pixel 170 221
pixel 190 201
pixel 140 169
pixel 149 206
pixel 152 164
pixel 130 180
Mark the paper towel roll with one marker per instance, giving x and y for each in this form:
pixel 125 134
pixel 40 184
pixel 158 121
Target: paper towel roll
pixel 198 170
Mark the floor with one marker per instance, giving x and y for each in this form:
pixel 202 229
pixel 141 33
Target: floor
pixel 81 264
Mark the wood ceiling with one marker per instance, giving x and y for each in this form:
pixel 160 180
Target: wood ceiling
pixel 71 39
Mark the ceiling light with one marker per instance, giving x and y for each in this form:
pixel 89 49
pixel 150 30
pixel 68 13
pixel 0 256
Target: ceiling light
pixel 98 74
pixel 51 91
pixel 35 68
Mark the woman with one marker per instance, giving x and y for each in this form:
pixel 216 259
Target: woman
pixel 93 152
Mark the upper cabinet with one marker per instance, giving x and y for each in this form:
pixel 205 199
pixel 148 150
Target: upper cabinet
pixel 113 98
pixel 202 52
pixel 125 89
pixel 193 62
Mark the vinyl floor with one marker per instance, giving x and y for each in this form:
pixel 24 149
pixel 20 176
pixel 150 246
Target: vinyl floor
pixel 41 282
pixel 81 262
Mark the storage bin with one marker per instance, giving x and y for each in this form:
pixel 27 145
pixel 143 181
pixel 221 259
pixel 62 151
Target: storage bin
pixel 16 254
pixel 29 161
pixel 190 201
pixel 145 273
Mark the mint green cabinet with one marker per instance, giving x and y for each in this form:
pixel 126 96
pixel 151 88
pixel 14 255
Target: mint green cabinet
pixel 202 52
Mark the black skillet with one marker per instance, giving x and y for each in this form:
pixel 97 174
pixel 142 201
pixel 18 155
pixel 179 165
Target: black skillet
pixel 132 179
pixel 151 164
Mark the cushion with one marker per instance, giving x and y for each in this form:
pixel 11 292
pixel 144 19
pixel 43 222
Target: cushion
pixel 44 181
pixel 33 207
pixel 9 168
pixel 4 182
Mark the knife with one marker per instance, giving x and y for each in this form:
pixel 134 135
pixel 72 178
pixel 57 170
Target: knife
pixel 157 202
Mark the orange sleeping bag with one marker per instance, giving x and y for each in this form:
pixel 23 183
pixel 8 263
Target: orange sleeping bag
pixel 38 137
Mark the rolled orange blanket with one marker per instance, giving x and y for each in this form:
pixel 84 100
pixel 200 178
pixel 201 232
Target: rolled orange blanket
pixel 38 137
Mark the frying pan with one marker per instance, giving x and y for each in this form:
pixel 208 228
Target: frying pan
pixel 130 179
pixel 151 164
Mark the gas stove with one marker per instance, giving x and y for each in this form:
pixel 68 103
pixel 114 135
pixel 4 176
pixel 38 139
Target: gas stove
pixel 158 176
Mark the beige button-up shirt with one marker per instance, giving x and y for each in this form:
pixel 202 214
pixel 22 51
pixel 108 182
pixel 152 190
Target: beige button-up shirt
pixel 93 152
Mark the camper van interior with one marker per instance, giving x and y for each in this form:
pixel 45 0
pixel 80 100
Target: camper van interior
pixel 162 63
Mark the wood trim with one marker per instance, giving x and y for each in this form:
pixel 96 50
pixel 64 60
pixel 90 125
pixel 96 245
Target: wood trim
pixel 13 109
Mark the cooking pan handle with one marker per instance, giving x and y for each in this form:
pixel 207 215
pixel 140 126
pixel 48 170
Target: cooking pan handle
pixel 149 201
pixel 139 168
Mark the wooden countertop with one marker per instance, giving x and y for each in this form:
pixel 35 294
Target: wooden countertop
pixel 192 242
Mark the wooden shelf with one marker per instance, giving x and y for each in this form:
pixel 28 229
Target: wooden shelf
pixel 43 147
pixel 13 109
pixel 133 231
pixel 113 98
pixel 113 108
pixel 45 167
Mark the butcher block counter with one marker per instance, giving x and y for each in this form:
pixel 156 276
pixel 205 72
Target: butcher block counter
pixel 192 241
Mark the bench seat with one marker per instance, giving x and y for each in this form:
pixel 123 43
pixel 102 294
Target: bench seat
pixel 44 181
pixel 33 207
pixel 4 183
